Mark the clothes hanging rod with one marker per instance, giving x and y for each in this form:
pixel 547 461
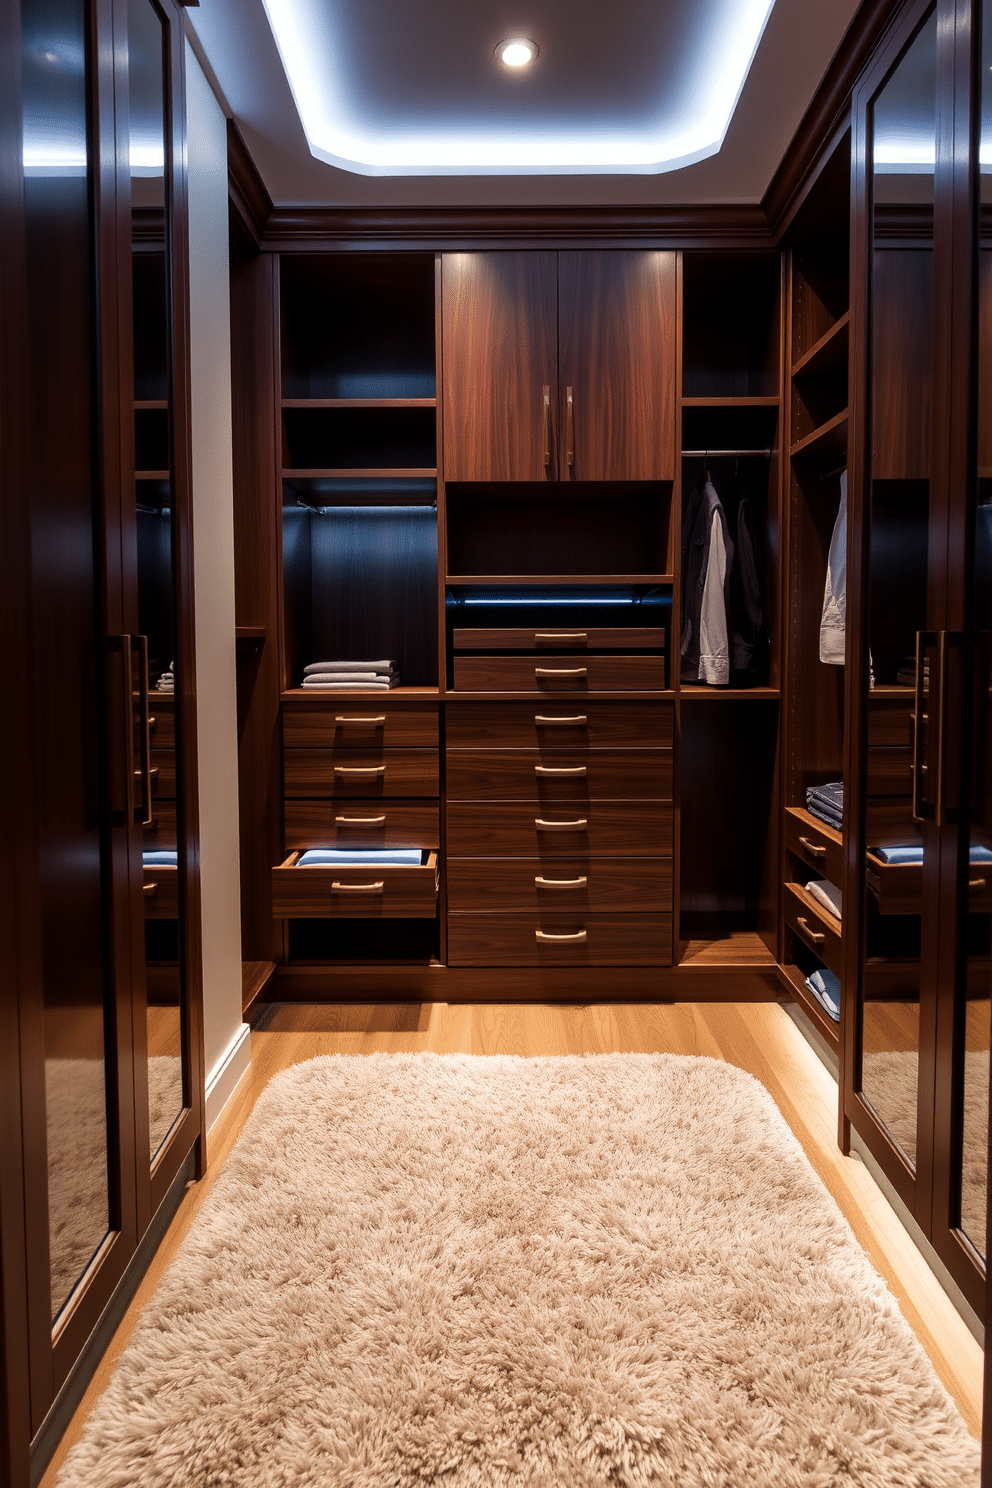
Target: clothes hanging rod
pixel 706 454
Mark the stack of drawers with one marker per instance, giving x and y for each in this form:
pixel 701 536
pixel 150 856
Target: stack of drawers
pixel 358 776
pixel 559 833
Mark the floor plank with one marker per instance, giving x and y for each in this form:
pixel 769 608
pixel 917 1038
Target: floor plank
pixel 758 1037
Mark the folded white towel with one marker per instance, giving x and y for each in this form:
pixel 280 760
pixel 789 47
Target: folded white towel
pixel 325 682
pixel 350 676
pixel 827 894
pixel 349 666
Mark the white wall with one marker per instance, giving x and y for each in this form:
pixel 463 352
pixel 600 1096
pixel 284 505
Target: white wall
pixel 225 1035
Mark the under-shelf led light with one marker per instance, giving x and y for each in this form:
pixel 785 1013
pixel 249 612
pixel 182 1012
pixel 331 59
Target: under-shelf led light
pixel 346 132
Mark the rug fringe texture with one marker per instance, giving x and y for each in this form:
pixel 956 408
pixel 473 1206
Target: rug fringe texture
pixel 546 1273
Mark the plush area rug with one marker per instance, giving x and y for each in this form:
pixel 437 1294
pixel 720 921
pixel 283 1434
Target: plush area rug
pixel 545 1273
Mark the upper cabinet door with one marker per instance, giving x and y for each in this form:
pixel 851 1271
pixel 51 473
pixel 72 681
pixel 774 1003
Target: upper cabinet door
pixel 499 365
pixel 616 365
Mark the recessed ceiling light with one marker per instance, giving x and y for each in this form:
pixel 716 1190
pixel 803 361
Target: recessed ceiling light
pixel 516 52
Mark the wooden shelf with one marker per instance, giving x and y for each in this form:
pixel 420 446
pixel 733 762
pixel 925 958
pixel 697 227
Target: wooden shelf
pixel 697 690
pixel 827 353
pixel 426 472
pixel 155 475
pixel 829 439
pixel 740 948
pixel 151 405
pixel 817 1015
pixel 359 403
pixel 394 694
pixel 764 402
pixel 570 581
pixel 807 819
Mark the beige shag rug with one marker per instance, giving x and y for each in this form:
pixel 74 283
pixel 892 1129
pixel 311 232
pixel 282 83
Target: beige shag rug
pixel 545 1273
pixel 890 1082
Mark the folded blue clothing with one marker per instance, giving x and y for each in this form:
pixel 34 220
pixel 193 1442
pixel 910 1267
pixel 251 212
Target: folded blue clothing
pixel 160 859
pixel 386 857
pixel 825 987
pixel 914 854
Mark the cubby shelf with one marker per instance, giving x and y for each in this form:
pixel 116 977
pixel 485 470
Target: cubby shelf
pixel 829 352
pixel 151 405
pixel 821 1021
pixel 739 948
pixel 408 472
pixel 153 475
pixel 829 439
pixel 764 402
pixel 356 403
pixel 346 694
pixel 573 580
pixel 696 691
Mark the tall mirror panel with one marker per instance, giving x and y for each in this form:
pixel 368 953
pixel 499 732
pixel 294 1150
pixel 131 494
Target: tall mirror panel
pixel 155 703
pixel 903 153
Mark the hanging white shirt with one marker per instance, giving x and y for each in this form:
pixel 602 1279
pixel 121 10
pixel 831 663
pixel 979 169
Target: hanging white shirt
pixel 834 619
pixel 714 646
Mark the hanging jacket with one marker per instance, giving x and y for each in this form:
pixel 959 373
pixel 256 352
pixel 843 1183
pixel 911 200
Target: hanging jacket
pixel 707 556
pixel 833 621
pixel 746 613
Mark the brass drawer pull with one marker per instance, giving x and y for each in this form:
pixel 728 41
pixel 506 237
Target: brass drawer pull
pixel 572 826
pixel 577 718
pixel 359 769
pixel 978 883
pixel 547 935
pixel 150 888
pixel 572 635
pixel 560 770
pixel 360 821
pixel 811 934
pixel 813 848
pixel 561 883
pixel 372 722
pixel 560 671
pixel 346 888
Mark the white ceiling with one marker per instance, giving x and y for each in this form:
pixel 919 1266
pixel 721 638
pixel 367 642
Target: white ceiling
pixel 416 69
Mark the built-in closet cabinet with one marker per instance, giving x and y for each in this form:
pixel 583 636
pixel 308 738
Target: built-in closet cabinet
pixel 559 365
pixel 102 1007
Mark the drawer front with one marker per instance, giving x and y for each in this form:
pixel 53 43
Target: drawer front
pixel 890 772
pixel 356 772
pixel 559 725
pixel 337 725
pixel 606 885
pixel 162 719
pixel 626 828
pixel 890 723
pixel 563 638
pixel 559 940
pixel 160 884
pixel 810 840
pixel 368 892
pixel 551 674
pixel 163 773
pixel 530 775
pixel 810 924
pixel 361 824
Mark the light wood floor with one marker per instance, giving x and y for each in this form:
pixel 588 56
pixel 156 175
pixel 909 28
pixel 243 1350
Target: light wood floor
pixel 760 1038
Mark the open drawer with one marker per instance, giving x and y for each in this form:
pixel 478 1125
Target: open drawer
pixel 898 887
pixel 815 926
pixel 371 889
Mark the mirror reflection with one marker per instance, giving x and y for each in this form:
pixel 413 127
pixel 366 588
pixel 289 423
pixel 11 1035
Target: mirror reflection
pixel 156 616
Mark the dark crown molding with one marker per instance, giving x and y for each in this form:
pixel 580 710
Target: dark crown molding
pixel 247 193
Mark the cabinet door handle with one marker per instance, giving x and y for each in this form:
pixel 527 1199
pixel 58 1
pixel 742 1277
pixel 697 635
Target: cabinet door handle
pixel 813 848
pixel 569 441
pixel 570 826
pixel 560 770
pixel 561 883
pixel 574 935
pixel 923 809
pixel 347 888
pixel 360 821
pixel 144 734
pixel 149 888
pixel 560 671
pixel 371 722
pixel 359 769
pixel 814 936
pixel 547 425
pixel 978 883
pixel 565 635
pixel 577 718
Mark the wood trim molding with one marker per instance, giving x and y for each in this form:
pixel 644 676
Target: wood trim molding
pixel 440 229
pixel 827 115
pixel 246 189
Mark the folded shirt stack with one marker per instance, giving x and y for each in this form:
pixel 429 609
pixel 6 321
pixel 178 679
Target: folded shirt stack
pixel 167 681
pixel 322 857
pixel 825 987
pixel 378 675
pixel 163 859
pixel 827 894
pixel 913 853
pixel 827 802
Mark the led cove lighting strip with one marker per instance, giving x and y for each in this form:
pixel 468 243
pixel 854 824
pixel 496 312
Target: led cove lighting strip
pixel 346 141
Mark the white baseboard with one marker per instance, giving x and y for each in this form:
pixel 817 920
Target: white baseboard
pixel 228 1073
